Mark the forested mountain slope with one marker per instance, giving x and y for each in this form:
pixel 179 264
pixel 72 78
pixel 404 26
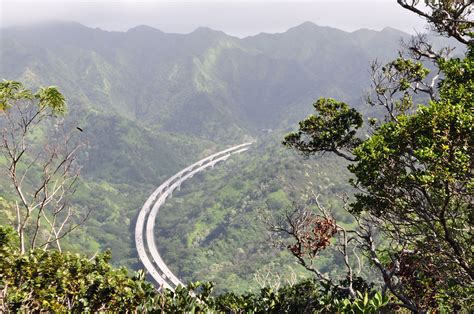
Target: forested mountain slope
pixel 150 103
pixel 198 82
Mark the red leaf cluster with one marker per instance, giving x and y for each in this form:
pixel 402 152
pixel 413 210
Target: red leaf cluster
pixel 313 236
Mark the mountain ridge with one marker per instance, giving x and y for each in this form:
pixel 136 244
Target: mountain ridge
pixel 306 24
pixel 156 77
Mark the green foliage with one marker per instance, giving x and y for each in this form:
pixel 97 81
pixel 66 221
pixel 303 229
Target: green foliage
pixel 47 97
pixel 7 238
pixel 333 128
pixel 307 296
pixel 61 282
pixel 458 84
pixel 419 170
pixel 415 178
pixel 64 282
pixel 407 71
pixel 400 76
pixel 438 139
pixel 51 97
pixel 363 304
pixel 11 90
pixel 446 17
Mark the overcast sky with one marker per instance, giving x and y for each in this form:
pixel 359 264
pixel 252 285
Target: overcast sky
pixel 238 18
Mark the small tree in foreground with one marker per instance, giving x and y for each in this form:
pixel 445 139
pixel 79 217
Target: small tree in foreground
pixel 37 157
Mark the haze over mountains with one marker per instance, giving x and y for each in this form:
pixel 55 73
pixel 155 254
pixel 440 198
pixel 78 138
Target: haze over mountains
pixel 205 83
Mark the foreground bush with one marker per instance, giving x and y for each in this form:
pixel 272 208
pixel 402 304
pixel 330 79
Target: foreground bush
pixel 49 280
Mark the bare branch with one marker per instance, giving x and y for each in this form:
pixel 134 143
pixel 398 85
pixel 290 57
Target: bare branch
pixel 42 199
pixel 451 18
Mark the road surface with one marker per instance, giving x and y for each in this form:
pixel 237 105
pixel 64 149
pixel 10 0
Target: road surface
pixel 146 246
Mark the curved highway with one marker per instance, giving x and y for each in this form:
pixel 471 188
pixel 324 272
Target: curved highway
pixel 146 246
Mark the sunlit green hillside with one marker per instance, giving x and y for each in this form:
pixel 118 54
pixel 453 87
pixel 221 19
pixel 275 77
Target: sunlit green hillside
pixel 151 103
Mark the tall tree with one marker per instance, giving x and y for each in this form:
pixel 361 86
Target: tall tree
pixel 414 171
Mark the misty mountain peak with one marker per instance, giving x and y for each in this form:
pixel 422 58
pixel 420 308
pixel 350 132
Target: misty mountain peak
pixel 144 29
pixel 308 27
pixel 207 31
pixel 393 31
